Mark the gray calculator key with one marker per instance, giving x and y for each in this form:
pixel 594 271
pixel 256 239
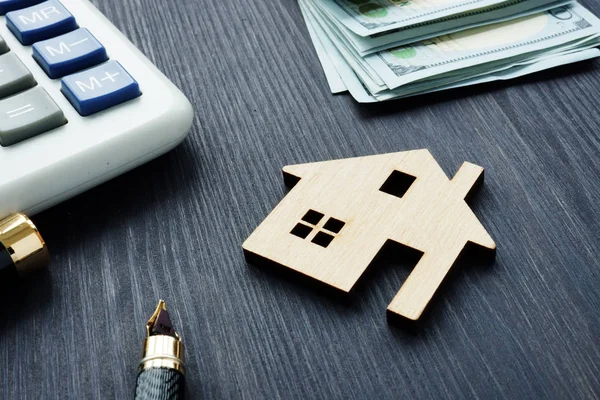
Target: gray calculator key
pixel 3 46
pixel 28 114
pixel 14 75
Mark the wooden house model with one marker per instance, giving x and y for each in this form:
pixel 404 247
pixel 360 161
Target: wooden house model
pixel 339 214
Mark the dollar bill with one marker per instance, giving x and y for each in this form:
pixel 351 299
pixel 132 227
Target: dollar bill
pixel 505 73
pixel 504 41
pixel 335 82
pixel 366 74
pixel 335 60
pixel 544 63
pixel 476 75
pixel 489 15
pixel 370 17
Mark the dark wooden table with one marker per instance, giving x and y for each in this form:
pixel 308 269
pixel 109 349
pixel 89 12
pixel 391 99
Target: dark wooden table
pixel 528 326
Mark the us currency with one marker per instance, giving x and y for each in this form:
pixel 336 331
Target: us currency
pixel 504 42
pixel 334 60
pixel 334 80
pixel 328 33
pixel 541 64
pixel 504 74
pixel 361 95
pixel 503 68
pixel 495 72
pixel 370 17
pixel 490 15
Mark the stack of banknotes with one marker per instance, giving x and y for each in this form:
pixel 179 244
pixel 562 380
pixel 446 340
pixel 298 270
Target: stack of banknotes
pixel 386 49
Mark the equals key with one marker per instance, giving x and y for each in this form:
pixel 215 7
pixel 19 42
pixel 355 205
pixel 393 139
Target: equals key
pixel 28 114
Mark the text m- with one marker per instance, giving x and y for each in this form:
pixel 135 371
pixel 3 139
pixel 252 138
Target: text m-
pixel 62 49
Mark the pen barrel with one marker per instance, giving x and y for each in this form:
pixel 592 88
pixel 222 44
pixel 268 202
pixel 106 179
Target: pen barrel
pixel 160 384
pixel 161 371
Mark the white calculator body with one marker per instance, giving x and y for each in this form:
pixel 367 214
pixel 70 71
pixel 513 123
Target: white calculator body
pixel 40 171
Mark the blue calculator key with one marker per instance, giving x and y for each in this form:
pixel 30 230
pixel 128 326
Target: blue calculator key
pixel 99 88
pixel 69 53
pixel 11 5
pixel 40 22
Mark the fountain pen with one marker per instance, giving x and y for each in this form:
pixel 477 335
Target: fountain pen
pixel 161 374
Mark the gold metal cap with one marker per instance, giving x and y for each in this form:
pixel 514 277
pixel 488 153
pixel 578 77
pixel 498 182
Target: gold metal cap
pixel 24 243
pixel 163 351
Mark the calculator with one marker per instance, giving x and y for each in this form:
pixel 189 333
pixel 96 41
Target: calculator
pixel 79 104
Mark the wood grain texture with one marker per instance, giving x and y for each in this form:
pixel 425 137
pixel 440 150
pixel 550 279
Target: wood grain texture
pixel 527 326
pixel 341 214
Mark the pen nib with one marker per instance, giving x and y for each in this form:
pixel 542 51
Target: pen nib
pixel 160 322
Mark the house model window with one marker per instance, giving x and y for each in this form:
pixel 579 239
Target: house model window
pixel 313 221
pixel 398 183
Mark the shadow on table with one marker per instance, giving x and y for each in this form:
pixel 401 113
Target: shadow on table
pixel 119 199
pixel 76 220
pixel 24 297
pixel 401 105
pixel 382 278
pixel 300 284
pixel 394 259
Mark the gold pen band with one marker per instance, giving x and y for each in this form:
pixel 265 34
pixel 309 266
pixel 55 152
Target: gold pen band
pixel 162 351
pixel 25 245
